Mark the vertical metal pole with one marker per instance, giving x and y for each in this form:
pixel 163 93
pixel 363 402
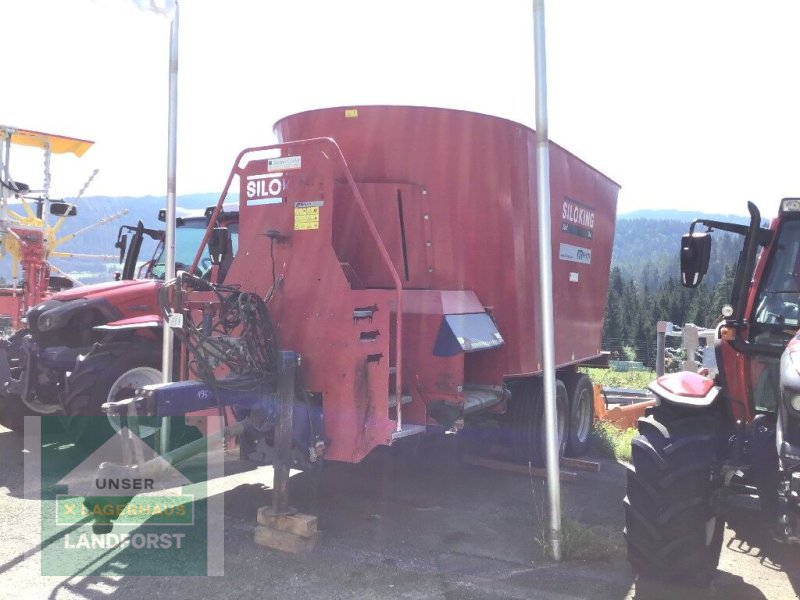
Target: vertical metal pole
pixel 661 338
pixel 37 287
pixel 169 229
pixel 45 205
pixel 283 433
pixel 545 290
pixel 5 194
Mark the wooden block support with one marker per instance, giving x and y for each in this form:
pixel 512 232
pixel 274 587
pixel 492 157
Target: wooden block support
pixel 284 540
pixel 297 523
pixel 295 533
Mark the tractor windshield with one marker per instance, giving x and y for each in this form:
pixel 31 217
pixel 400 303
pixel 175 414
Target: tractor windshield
pixel 778 300
pixel 188 236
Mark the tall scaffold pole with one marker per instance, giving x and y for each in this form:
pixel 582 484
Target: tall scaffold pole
pixel 546 280
pixel 169 229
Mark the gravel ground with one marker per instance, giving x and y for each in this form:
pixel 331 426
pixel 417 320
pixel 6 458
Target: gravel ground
pixel 402 524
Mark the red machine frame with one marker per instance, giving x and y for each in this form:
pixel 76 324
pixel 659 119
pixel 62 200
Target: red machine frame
pixel 321 221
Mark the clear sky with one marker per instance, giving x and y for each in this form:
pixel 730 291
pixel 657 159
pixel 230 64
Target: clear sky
pixel 686 104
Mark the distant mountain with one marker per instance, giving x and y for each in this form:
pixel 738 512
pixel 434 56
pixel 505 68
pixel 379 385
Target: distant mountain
pixel 142 207
pixel 684 216
pixel 644 283
pixel 645 246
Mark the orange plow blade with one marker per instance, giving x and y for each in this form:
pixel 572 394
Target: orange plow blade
pixel 623 417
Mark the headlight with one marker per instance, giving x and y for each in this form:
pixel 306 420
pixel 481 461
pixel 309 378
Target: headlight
pixel 45 322
pixel 794 402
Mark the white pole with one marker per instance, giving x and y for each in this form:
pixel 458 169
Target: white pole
pixel 169 229
pixel 5 194
pixel 546 280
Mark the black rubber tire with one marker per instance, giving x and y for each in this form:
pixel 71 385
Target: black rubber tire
pixel 94 377
pixel 526 415
pixel 12 412
pixel 12 408
pixel 521 411
pixel 581 413
pixel 673 526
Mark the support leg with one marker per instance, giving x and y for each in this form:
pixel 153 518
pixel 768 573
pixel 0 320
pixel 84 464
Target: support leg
pixel 279 526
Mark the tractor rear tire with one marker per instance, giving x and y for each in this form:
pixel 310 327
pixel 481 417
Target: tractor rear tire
pixel 581 413
pixel 13 408
pixel 107 373
pixel 673 526
pixel 527 424
pixel 12 412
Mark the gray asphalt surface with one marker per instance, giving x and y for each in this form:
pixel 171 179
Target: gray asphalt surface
pixel 403 524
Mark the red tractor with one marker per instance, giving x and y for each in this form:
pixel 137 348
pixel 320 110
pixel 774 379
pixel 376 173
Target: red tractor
pixel 712 442
pixel 85 346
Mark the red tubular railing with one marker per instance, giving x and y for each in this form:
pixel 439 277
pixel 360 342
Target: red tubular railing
pixel 373 230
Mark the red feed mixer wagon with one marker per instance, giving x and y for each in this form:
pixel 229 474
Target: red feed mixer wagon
pixel 392 249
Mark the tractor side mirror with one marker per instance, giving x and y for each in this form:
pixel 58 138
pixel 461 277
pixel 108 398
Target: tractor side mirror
pixel 218 244
pixel 57 283
pixel 121 245
pixel 63 209
pixel 695 256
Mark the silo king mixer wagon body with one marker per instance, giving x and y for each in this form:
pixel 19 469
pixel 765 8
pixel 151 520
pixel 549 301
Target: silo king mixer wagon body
pixel 392 249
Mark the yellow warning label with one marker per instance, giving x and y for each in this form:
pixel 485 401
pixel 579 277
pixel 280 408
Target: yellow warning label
pixel 351 113
pixel 306 218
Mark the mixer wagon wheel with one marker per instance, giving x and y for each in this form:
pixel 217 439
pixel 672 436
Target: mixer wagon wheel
pixel 108 372
pixel 526 415
pixel 672 525
pixel 581 413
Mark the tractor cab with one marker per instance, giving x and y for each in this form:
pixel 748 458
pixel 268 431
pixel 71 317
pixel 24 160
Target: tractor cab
pixel 189 232
pixel 764 310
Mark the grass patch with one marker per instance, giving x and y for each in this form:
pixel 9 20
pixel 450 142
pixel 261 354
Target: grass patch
pixel 579 542
pixel 611 442
pixel 637 380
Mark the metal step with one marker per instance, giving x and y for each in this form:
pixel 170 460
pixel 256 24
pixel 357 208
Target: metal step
pixel 480 397
pixel 393 400
pixel 408 430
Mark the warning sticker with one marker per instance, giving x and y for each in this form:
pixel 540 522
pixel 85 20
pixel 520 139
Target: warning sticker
pixel 306 215
pixel 284 164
